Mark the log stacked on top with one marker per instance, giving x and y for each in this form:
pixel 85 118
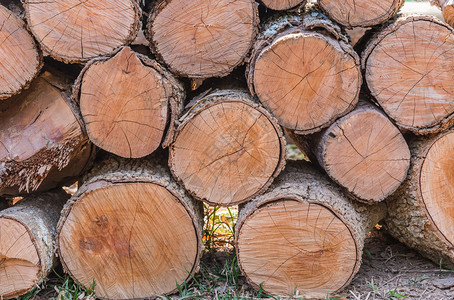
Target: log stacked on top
pixel 134 225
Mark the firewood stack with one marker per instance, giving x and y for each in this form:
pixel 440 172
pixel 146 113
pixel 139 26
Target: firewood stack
pixel 374 120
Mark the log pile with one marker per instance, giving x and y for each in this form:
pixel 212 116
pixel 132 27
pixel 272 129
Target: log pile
pixel 375 121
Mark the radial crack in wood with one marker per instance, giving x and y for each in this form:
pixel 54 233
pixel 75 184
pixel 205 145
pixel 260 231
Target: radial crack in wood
pixel 128 103
pixel 408 69
pixel 203 38
pixel 227 149
pixel 20 57
pixel 77 31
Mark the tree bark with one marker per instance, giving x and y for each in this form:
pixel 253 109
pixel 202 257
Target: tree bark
pixel 27 242
pixel 129 103
pixel 408 70
pixel 227 149
pixel 421 212
pixel 303 238
pixel 363 152
pixel 447 6
pixel 369 13
pixel 20 57
pixel 76 31
pixel 131 229
pixel 41 133
pixel 202 38
pixel 304 71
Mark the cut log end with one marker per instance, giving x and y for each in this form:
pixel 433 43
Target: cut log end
pixel 365 153
pixel 448 15
pixel 202 39
pixel 76 31
pixel 437 185
pixel 282 5
pixel 135 240
pixel 350 13
pixel 125 104
pixel 307 80
pixel 316 251
pixel 21 60
pixel 228 151
pixel 19 259
pixel 408 71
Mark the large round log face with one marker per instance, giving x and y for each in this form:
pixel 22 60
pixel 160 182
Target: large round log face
pixel 409 72
pixel 74 30
pixel 307 80
pixel 19 54
pixel 295 248
pixel 135 240
pixel 437 185
pixel 19 259
pixel 204 38
pixel 282 4
pixel 227 152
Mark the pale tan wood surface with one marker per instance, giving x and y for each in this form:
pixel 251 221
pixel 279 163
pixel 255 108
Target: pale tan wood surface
pixel 282 4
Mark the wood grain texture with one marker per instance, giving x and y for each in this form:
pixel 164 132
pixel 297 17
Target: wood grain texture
pixel 408 69
pixel 77 31
pixel 283 4
pixel 202 38
pixel 27 242
pixel 132 229
pixel 421 212
pixel 227 149
pixel 352 13
pixel 19 54
pixel 303 238
pixel 129 103
pixel 447 6
pixel 304 71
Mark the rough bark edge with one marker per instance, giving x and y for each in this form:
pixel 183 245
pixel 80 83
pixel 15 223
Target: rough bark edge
pixel 393 10
pixel 311 187
pixel 39 55
pixel 408 215
pixel 311 22
pixel 441 3
pixel 149 35
pixel 133 31
pixel 224 96
pixel 375 39
pixel 38 214
pixel 314 147
pixel 148 170
pixel 175 101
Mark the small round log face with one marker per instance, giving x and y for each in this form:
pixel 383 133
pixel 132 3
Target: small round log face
pixel 226 153
pixel 135 240
pixel 204 38
pixel 353 13
pixel 367 154
pixel 306 80
pixel 19 259
pixel 19 54
pixel 125 105
pixel 409 72
pixel 437 185
pixel 281 4
pixel 295 248
pixel 76 31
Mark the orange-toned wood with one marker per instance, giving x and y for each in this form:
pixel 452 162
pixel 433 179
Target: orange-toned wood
pixel 408 71
pixel 128 103
pixel 282 5
pixel 421 212
pixel 20 57
pixel 77 31
pixel 351 13
pixel 40 131
pixel 227 149
pixel 203 38
pixel 27 242
pixel 302 238
pixel 131 229
pixel 447 6
pixel 304 71
pixel 363 152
